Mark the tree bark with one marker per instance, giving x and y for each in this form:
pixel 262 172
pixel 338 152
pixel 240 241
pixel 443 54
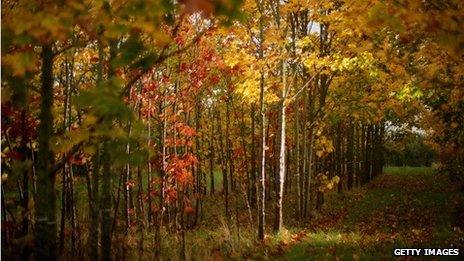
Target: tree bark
pixel 45 234
pixel 282 150
pixel 262 196
pixel 225 181
pixel 106 200
pixel 211 155
pixel 349 157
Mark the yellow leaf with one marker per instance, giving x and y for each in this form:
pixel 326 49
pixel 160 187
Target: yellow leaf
pixel 329 185
pixel 20 62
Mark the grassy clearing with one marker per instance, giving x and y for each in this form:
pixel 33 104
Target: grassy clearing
pixel 405 207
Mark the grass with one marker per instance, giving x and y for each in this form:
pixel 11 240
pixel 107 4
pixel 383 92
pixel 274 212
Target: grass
pixel 407 170
pixel 406 207
pixel 217 180
pixel 332 245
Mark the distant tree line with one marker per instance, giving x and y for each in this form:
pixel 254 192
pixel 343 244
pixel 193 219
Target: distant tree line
pixel 408 149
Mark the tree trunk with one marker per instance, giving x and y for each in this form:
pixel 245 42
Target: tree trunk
pixel 106 204
pixel 94 205
pixel 349 157
pixel 229 147
pixel 282 150
pixel 211 155
pixel 304 166
pixel 149 170
pixel 262 193
pixel 127 187
pixel 95 184
pixel 198 191
pixel 225 181
pixel 254 183
pixel 311 165
pixel 25 251
pixel 297 158
pixel 106 200
pixel 262 198
pixel 338 155
pixel 46 196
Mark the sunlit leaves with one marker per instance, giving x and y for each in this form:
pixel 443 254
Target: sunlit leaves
pixel 249 88
pixel 409 92
pixel 324 146
pixel 20 62
pixel 325 183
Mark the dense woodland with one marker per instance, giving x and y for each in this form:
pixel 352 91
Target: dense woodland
pixel 126 124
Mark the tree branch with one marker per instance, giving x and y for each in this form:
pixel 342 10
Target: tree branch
pixel 290 100
pixel 160 59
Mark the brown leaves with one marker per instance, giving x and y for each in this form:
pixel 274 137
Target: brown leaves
pixel 189 210
pixel 298 236
pixel 205 7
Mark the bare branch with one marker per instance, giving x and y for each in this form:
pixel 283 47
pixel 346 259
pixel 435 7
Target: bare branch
pixel 290 100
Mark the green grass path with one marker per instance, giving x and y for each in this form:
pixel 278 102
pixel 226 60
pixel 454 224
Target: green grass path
pixel 406 207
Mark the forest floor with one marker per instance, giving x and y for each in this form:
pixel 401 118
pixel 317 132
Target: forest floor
pixel 405 207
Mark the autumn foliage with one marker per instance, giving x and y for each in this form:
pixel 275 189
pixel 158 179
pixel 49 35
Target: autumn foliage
pixel 129 124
